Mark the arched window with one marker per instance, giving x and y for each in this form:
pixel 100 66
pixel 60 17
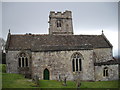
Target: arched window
pixel 23 60
pixel 76 62
pixel 58 23
pixel 105 72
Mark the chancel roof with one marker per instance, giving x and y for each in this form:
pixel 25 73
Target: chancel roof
pixel 48 42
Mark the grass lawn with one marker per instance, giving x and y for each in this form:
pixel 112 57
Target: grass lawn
pixel 15 81
pixel 56 84
pixel 18 81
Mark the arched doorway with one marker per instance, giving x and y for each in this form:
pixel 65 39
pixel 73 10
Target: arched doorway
pixel 46 74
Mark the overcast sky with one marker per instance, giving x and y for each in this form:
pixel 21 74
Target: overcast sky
pixel 88 18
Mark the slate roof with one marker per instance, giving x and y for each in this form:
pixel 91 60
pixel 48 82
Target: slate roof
pixel 48 42
pixel 110 62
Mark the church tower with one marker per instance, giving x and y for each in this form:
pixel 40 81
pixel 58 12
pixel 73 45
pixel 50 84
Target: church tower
pixel 60 23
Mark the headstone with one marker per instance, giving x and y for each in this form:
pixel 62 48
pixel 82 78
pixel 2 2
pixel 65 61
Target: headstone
pixel 36 79
pixel 78 84
pixel 65 84
pixel 59 78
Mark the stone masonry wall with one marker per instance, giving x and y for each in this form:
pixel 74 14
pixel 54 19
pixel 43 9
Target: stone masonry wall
pixel 103 54
pixel 12 63
pixel 59 62
pixel 66 23
pixel 112 73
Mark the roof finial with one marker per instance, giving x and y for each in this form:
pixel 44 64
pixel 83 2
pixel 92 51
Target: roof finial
pixel 9 30
pixel 102 32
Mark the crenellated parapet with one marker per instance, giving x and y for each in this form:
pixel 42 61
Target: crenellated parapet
pixel 66 14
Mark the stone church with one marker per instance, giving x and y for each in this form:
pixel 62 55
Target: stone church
pixel 61 54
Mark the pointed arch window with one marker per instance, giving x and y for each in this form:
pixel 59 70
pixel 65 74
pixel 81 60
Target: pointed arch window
pixel 105 72
pixel 76 62
pixel 23 60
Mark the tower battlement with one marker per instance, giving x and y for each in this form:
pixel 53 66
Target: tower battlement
pixel 66 14
pixel 60 23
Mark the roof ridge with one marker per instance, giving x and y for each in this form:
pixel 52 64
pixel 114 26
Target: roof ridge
pixel 50 35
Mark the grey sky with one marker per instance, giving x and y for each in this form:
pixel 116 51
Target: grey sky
pixel 88 18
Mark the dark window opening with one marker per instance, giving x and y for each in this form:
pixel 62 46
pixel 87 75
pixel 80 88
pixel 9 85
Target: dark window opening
pixel 105 72
pixel 19 61
pixel 73 64
pixel 26 62
pixel 22 62
pixel 58 23
pixel 80 64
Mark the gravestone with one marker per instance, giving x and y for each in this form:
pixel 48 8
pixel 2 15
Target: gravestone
pixel 65 84
pixel 36 80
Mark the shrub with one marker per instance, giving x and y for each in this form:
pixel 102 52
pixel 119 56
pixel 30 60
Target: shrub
pixel 3 68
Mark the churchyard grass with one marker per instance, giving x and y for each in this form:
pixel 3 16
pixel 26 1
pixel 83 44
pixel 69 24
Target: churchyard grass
pixel 18 81
pixel 15 81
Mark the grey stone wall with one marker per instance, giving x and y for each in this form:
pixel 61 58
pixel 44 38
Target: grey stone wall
pixel 66 23
pixel 59 62
pixel 103 54
pixel 12 62
pixel 112 73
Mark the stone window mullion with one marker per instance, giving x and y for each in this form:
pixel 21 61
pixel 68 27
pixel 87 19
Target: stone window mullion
pixel 78 65
pixel 75 63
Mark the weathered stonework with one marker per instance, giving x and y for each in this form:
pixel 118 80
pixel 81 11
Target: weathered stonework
pixel 112 73
pixel 103 54
pixel 59 62
pixel 61 54
pixel 65 20
pixel 12 62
